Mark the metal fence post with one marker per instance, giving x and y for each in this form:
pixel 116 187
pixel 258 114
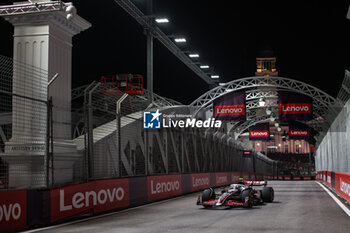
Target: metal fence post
pixel 118 131
pixel 90 133
pixel 86 170
pixel 49 135
pixel 146 152
pixel 48 157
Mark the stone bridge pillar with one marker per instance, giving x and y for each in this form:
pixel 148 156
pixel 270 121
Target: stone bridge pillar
pixel 42 47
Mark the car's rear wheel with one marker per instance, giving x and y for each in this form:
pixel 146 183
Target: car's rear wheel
pixel 268 194
pixel 208 194
pixel 248 194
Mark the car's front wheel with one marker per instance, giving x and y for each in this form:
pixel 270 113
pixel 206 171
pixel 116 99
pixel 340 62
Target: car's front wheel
pixel 248 197
pixel 208 194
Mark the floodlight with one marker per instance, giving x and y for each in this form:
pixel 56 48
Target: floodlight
pixel 162 20
pixel 180 40
pixel 193 55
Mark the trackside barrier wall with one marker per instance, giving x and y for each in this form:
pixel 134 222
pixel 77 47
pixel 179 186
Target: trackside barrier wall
pixel 23 209
pixel 337 181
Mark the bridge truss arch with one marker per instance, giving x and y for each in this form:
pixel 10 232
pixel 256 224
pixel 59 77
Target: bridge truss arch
pixel 325 106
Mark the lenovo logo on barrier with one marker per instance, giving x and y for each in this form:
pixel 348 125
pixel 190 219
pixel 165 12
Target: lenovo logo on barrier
pixel 229 110
pixel 96 196
pixel 299 132
pixel 10 212
pixel 221 178
pixel 344 187
pixel 13 210
pixel 85 199
pixel 295 108
pixel 160 187
pixel 200 181
pixel 259 134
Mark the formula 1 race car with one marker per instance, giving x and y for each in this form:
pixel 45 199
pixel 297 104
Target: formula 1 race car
pixel 241 194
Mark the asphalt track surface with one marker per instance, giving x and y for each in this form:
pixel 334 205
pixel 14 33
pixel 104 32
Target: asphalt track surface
pixel 299 206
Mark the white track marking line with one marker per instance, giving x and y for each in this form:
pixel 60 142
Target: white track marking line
pixel 346 210
pixel 101 216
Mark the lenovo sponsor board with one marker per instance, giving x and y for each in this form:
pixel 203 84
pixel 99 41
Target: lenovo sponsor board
pixel 299 132
pixel 96 196
pixel 229 110
pixel 13 210
pixel 221 178
pixel 161 187
pixel 342 185
pixel 294 106
pixel 230 107
pixel 235 177
pixel 329 179
pixel 200 181
pixel 260 132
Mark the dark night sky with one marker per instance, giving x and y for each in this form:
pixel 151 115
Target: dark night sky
pixel 310 39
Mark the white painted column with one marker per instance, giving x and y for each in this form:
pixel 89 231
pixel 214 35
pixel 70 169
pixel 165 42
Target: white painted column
pixel 42 46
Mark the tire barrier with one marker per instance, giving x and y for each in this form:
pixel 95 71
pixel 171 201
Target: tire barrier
pixel 22 209
pixel 336 181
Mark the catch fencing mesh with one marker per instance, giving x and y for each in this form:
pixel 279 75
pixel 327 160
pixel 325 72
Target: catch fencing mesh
pixel 46 143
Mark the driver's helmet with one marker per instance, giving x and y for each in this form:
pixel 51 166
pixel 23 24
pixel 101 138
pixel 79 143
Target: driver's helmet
pixel 241 181
pixel 235 187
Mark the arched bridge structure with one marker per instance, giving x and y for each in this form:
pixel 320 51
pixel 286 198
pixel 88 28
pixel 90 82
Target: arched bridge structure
pixel 325 107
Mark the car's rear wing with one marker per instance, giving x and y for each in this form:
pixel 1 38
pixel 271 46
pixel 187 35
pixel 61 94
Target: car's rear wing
pixel 255 182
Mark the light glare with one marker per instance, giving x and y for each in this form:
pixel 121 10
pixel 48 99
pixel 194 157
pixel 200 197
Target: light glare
pixel 180 40
pixel 162 20
pixel 194 55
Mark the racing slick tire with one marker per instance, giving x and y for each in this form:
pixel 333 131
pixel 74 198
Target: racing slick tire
pixel 267 194
pixel 248 193
pixel 208 194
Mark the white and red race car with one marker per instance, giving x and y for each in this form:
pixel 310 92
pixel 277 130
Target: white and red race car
pixel 240 194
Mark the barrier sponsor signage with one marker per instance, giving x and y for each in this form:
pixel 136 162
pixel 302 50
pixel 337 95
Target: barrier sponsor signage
pixel 200 181
pixel 221 178
pixel 294 106
pixel 13 210
pixel 234 177
pixel 342 185
pixel 260 132
pixel 96 196
pixel 230 107
pixel 307 178
pixel 161 187
pixel 329 179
